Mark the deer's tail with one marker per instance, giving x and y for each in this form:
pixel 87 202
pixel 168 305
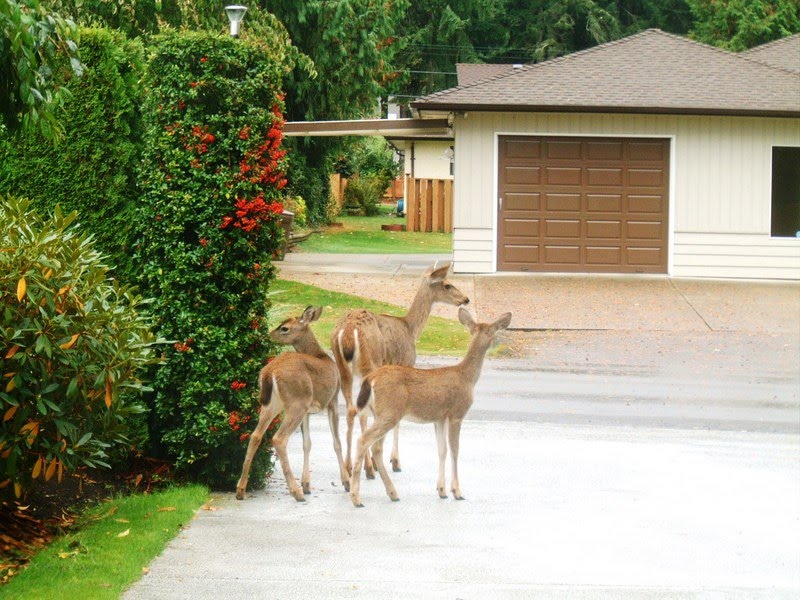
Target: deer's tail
pixel 265 387
pixel 364 393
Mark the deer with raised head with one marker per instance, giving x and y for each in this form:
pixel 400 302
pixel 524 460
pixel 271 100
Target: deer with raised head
pixel 298 383
pixel 441 396
pixel 362 341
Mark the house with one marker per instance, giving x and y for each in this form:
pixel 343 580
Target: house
pixel 649 154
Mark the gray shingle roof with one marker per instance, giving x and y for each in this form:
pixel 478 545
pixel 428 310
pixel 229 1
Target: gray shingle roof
pixel 650 72
pixel 783 53
pixel 469 73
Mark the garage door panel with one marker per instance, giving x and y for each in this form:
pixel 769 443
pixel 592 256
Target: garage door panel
pixel 563 176
pixel 643 150
pixel 603 255
pixel 604 177
pixel 522 175
pixel 521 201
pixel 562 255
pixel 564 149
pixel 603 230
pixel 521 253
pixel 604 150
pixel 523 148
pixel 563 202
pixel 604 202
pixel 645 257
pixel 583 204
pixel 645 204
pixel 645 178
pixel 557 228
pixel 638 230
pixel 521 227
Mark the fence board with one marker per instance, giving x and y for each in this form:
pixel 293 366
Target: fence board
pixel 429 205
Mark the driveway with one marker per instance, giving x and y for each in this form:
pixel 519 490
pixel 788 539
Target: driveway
pixel 657 459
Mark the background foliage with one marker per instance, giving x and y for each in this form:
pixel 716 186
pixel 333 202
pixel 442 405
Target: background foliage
pixel 92 169
pixel 73 344
pixel 212 177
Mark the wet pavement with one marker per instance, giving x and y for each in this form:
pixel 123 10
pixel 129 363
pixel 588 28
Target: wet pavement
pixel 643 443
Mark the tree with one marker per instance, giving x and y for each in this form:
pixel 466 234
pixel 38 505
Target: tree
pixel 740 24
pixel 34 44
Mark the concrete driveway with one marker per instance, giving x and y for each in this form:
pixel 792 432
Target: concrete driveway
pixel 654 456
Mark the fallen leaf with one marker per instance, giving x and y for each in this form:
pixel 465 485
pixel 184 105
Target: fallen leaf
pixel 121 520
pixel 166 509
pixel 124 533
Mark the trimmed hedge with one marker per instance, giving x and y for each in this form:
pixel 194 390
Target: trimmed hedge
pixel 209 224
pixel 92 169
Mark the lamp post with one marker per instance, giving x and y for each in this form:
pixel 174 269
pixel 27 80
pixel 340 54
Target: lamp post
pixel 235 14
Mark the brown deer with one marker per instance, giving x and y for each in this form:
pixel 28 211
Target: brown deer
pixel 298 383
pixel 363 341
pixel 441 396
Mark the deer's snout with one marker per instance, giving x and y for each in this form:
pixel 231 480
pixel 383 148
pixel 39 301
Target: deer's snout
pixel 465 302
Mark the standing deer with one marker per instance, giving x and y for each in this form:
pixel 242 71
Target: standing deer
pixel 363 341
pixel 441 396
pixel 298 383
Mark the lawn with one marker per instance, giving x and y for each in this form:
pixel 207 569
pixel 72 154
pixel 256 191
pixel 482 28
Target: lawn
pixel 115 542
pixel 440 336
pixel 363 235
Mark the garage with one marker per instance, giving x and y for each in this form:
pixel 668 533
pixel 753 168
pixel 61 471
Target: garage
pixel 583 204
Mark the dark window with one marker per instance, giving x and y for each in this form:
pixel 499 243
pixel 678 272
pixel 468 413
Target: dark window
pixel 785 192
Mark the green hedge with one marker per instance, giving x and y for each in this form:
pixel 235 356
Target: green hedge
pixel 212 179
pixel 92 169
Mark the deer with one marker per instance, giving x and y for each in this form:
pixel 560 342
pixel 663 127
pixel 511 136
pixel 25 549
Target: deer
pixel 298 383
pixel 362 341
pixel 441 396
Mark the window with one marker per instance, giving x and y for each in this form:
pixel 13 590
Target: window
pixel 785 192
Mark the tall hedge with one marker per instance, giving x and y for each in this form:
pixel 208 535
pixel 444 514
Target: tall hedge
pixel 92 168
pixel 210 223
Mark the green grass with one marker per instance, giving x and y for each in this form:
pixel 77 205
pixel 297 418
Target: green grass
pixel 363 235
pixel 440 336
pixel 116 540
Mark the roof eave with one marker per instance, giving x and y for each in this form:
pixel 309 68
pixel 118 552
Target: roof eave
pixel 394 128
pixel 658 110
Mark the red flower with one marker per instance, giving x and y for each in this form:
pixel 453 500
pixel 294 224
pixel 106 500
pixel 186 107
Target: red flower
pixel 192 84
pixel 204 59
pixel 238 385
pixel 244 436
pixel 203 242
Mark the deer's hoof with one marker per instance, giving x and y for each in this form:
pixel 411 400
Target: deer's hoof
pixel 442 494
pixel 370 474
pixel 396 466
pixel 239 494
pixel 306 488
pixel 346 485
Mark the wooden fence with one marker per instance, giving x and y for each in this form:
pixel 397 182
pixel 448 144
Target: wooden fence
pixel 429 205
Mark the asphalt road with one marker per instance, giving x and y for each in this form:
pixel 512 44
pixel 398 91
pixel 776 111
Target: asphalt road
pixel 581 484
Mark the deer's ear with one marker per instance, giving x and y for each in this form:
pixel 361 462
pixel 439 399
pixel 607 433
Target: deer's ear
pixel 311 313
pixel 466 318
pixel 502 322
pixel 437 275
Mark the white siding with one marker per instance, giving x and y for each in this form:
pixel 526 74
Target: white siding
pixel 472 250
pixel 429 160
pixel 720 185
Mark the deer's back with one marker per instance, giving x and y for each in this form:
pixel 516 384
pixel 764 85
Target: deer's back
pixel 298 375
pixel 422 395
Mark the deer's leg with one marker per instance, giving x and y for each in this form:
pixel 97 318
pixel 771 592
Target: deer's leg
pixel 377 456
pixel 368 438
pixel 305 479
pixel 453 435
pixel 265 416
pixel 291 419
pixel 441 441
pixel 333 421
pixel 395 457
pixel 346 376
pixel 369 467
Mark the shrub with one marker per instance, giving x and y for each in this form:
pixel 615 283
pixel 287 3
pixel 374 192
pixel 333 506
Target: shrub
pixel 210 223
pixel 72 346
pixel 297 205
pixel 362 196
pixel 92 169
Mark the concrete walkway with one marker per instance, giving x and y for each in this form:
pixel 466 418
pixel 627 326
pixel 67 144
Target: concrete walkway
pixel 639 476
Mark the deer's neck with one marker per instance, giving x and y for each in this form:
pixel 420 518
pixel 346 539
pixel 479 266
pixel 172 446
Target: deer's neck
pixel 310 345
pixel 419 311
pixel 472 363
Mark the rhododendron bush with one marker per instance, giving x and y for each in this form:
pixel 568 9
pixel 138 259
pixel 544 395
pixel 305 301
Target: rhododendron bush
pixel 210 224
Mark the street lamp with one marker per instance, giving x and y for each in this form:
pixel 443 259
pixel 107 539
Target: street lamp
pixel 235 14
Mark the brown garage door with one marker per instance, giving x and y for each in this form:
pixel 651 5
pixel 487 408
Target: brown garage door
pixel 583 204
